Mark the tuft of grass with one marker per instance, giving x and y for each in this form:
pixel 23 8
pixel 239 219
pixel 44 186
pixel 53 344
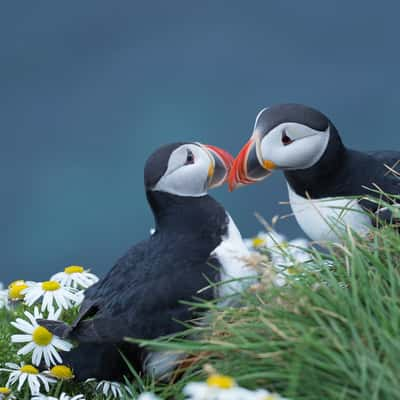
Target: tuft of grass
pixel 334 334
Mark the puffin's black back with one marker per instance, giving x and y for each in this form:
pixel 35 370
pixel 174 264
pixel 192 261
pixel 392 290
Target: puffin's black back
pixel 142 295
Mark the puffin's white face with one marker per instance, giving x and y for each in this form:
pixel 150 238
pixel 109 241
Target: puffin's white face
pixel 291 146
pixel 285 136
pixel 193 168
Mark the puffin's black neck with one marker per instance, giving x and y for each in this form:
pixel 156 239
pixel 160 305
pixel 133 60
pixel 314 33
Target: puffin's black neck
pixel 198 216
pixel 326 177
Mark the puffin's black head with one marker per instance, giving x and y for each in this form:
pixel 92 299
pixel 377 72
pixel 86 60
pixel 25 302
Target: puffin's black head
pixel 186 169
pixel 285 136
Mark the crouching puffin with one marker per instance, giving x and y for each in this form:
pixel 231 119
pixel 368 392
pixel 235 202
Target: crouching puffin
pixel 195 242
pixel 319 170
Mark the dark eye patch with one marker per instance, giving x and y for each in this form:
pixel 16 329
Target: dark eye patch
pixel 286 140
pixel 189 157
pixel 157 163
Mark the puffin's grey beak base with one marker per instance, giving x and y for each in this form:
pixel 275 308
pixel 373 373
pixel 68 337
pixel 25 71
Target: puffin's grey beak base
pixel 248 167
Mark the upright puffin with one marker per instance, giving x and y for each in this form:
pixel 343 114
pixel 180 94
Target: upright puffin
pixel 319 170
pixel 143 296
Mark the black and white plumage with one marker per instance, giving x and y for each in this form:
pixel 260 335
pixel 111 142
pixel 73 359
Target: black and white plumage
pixel 143 295
pixel 320 171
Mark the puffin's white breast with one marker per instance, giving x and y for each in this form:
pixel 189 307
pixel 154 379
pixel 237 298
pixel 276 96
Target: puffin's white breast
pixel 233 256
pixel 161 364
pixel 325 219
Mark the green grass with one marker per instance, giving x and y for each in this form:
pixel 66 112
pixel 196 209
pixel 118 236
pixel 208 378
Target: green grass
pixel 7 351
pixel 329 335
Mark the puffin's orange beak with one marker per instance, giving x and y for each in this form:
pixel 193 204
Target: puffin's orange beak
pixel 221 164
pixel 248 166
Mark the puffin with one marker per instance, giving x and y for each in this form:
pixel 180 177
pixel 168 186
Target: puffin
pixel 328 183
pixel 146 294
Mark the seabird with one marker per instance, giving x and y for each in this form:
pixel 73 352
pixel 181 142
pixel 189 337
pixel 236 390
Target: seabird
pixel 321 173
pixel 143 296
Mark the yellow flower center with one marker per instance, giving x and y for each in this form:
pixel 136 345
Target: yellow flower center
pixel 50 286
pixel 15 289
pixel 41 336
pixel 62 372
pixel 5 390
pixel 220 381
pixel 258 242
pixel 283 245
pixel 29 369
pixel 270 397
pixel 74 269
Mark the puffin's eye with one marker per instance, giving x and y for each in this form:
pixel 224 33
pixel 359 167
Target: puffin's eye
pixel 286 139
pixel 189 158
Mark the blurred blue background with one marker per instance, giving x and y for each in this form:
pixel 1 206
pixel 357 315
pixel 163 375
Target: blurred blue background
pixel 89 89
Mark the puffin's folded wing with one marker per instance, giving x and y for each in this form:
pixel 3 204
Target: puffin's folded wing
pixel 379 216
pixel 57 328
pixel 99 330
pixel 386 181
pixel 65 331
pixel 390 159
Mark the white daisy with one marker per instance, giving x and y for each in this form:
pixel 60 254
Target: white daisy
pixel 113 388
pixel 209 390
pixel 40 341
pixel 285 256
pixel 283 253
pixel 267 240
pixel 63 396
pixel 75 276
pixel 220 387
pixel 6 394
pixel 15 290
pixel 53 294
pixel 26 373
pixel 199 391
